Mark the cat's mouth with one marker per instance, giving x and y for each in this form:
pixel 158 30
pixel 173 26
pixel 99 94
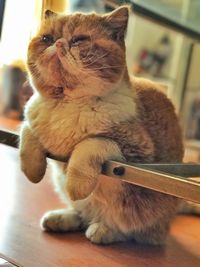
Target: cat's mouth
pixel 57 92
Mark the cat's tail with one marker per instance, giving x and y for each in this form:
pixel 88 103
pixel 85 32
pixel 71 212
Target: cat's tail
pixel 187 207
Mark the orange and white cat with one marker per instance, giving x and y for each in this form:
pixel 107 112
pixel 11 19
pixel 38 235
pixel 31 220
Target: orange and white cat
pixel 87 109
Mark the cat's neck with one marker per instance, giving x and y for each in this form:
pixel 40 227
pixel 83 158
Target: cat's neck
pixel 122 89
pixel 123 92
pixel 120 100
pixel 119 105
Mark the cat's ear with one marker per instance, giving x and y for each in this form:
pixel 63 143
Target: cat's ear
pixel 117 21
pixel 48 13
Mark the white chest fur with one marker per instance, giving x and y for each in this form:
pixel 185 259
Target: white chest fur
pixel 59 125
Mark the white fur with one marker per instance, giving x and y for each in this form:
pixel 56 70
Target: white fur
pixel 63 129
pixel 69 123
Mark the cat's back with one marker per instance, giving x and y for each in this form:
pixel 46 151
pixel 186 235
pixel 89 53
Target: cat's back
pixel 157 115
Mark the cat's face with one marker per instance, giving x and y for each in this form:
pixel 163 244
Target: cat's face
pixel 78 55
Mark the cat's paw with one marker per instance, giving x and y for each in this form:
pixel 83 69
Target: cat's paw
pixel 80 190
pixel 61 221
pixel 79 186
pixel 99 233
pixel 33 168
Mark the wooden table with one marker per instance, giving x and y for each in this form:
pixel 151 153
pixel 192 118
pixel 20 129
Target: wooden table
pixel 24 244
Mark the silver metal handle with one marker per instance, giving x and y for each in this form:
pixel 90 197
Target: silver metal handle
pixel 166 178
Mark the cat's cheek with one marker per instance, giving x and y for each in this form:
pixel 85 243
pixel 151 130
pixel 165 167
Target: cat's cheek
pixel 48 68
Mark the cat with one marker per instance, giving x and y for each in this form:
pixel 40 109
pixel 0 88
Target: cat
pixel 87 109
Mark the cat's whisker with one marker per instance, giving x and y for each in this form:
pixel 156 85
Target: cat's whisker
pixel 109 67
pixel 35 69
pixel 97 59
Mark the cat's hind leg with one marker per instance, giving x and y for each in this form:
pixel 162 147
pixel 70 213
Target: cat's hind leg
pixel 99 233
pixel 154 235
pixel 62 220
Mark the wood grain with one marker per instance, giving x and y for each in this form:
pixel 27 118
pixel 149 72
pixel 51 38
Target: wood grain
pixel 24 244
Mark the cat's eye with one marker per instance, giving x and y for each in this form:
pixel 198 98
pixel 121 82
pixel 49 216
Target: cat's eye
pixel 47 39
pixel 79 39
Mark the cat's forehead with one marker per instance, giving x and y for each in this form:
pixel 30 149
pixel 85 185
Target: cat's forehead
pixel 73 24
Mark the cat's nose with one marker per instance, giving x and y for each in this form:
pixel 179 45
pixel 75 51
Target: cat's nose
pixel 61 43
pixel 62 47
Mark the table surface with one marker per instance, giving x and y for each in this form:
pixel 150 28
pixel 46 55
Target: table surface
pixel 182 16
pixel 24 244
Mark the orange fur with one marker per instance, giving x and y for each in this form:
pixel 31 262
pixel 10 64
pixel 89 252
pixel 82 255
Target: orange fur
pixel 87 109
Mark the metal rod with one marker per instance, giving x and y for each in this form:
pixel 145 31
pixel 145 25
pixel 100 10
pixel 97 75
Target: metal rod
pixel 162 182
pixel 158 177
pixel 9 138
pixel 180 169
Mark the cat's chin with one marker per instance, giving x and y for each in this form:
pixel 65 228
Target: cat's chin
pixel 63 93
pixel 57 92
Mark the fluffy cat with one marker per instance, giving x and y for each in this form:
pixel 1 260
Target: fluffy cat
pixel 87 109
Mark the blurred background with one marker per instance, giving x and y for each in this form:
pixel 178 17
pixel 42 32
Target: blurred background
pixel 153 51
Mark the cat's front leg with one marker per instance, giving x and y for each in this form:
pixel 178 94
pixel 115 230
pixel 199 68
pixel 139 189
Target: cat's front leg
pixel 63 220
pixel 85 165
pixel 32 155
